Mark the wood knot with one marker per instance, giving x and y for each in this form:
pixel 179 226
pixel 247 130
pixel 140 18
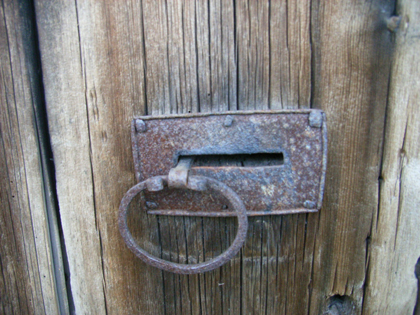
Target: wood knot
pixel 339 305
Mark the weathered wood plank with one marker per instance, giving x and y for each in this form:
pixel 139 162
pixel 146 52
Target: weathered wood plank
pixel 104 88
pixel 223 55
pixel 253 48
pixel 351 69
pixel 32 276
pixel 105 63
pixel 392 287
pixel 63 69
pixel 290 53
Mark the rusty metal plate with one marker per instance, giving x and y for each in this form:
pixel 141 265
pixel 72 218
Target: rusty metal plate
pixel 274 160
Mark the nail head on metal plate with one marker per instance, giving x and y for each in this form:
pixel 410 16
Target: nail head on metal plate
pixel 274 170
pixel 228 121
pixel 259 140
pixel 309 204
pixel 140 125
pixel 151 204
pixel 315 119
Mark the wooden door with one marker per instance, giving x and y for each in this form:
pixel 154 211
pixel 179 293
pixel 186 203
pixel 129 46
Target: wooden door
pixel 105 62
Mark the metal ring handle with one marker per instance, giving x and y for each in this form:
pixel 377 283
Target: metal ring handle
pixel 211 264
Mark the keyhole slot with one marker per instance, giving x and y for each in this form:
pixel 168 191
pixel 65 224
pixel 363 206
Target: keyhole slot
pixel 238 160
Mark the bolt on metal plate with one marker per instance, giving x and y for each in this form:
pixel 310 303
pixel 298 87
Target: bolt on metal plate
pixel 274 160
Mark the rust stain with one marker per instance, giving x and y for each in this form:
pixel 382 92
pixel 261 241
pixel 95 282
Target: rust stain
pixel 299 135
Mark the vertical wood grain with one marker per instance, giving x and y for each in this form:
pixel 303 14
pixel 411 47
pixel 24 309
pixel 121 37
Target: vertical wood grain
pixel 104 87
pixel 223 55
pixel 105 63
pixel 392 287
pixel 352 56
pixel 290 33
pixel 63 70
pixel 253 54
pixel 32 277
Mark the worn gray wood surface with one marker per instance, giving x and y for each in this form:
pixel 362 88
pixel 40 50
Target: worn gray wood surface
pixel 392 287
pixel 31 272
pixel 106 62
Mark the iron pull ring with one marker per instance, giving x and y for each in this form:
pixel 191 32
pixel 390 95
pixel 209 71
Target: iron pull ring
pixel 200 183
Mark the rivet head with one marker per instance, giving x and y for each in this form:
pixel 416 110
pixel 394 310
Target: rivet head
pixel 151 205
pixel 309 204
pixel 228 121
pixel 315 119
pixel 140 125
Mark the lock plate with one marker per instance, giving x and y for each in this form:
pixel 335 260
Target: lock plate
pixel 274 160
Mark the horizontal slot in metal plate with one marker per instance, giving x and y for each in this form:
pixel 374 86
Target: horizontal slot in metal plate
pixel 293 184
